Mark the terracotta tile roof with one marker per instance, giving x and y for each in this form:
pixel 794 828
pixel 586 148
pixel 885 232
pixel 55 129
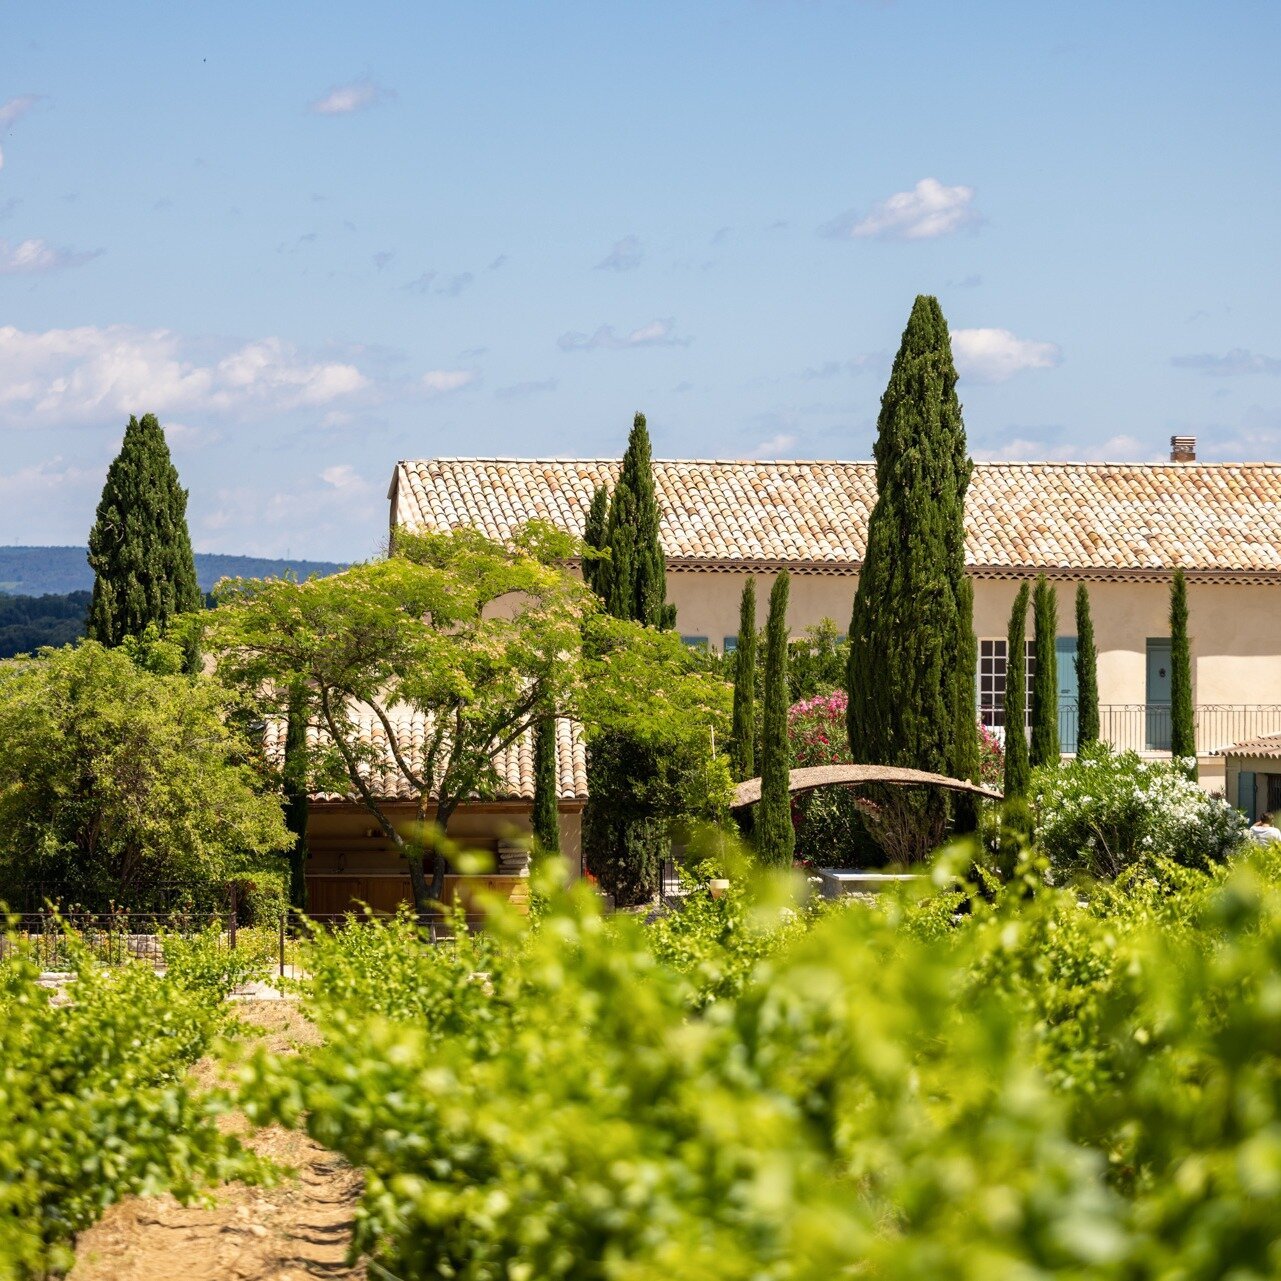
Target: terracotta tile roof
pixel 1217 520
pixel 1266 745
pixel 515 765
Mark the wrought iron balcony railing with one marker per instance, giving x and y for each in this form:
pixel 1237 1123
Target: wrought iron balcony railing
pixel 1146 727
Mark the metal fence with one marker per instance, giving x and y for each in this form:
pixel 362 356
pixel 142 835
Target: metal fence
pixel 112 938
pixel 1147 727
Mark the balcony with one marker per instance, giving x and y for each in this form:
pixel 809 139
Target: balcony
pixel 1146 727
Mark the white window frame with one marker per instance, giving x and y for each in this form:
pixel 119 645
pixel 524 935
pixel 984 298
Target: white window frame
pixel 989 681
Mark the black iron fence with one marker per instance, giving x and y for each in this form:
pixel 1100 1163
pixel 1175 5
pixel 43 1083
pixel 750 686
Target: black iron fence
pixel 1147 727
pixel 53 939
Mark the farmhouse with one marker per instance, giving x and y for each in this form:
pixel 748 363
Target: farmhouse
pixel 1119 528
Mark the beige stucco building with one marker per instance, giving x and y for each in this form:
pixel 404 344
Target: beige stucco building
pixel 1119 529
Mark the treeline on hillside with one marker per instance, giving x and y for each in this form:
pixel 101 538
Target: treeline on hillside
pixel 38 571
pixel 28 622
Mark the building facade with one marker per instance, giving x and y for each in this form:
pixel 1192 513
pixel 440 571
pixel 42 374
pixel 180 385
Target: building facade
pixel 1120 529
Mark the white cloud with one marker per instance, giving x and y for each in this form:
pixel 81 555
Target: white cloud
pixel 626 254
pixel 439 382
pixel 515 390
pixel 658 333
pixel 77 376
pixel 12 110
pixel 854 365
pixel 344 476
pixel 1236 363
pixel 342 100
pixel 930 209
pixel 775 447
pixel 49 502
pixel 35 256
pixel 1116 449
pixel 994 355
pixel 314 517
pixel 450 286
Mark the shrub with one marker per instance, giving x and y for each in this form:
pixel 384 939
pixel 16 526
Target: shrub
pixel 991 758
pixel 829 827
pixel 262 898
pixel 1105 811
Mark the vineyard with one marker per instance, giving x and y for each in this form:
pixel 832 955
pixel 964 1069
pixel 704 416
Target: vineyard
pixel 971 1080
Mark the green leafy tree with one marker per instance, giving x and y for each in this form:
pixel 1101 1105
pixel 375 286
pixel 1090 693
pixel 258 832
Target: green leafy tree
pixel 904 682
pixel 1182 716
pixel 1087 673
pixel 115 779
pixel 545 815
pixel 409 651
pixel 775 839
pixel 139 546
pixel 594 536
pixel 1045 681
pixel 1018 770
pixel 744 740
pixel 817 662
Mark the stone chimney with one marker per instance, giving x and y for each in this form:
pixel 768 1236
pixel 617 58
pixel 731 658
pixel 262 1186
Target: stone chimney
pixel 1183 449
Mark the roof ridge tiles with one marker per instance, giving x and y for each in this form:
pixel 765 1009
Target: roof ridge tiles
pixel 1019 463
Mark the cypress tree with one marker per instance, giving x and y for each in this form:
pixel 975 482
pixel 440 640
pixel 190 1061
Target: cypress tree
pixel 1045 682
pixel 775 838
pixel 623 841
pixel 139 546
pixel 904 681
pixel 1087 673
pixel 297 800
pixel 633 582
pixel 545 814
pixel 1182 719
pixel 967 760
pixel 594 534
pixel 743 761
pixel 1017 768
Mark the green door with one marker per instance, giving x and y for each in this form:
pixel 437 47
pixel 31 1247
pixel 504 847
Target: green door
pixel 1158 695
pixel 1245 794
pixel 1065 661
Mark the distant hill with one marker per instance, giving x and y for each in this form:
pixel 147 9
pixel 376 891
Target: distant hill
pixel 27 622
pixel 40 571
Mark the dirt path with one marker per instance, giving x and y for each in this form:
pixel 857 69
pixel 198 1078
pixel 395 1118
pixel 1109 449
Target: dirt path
pixel 300 1229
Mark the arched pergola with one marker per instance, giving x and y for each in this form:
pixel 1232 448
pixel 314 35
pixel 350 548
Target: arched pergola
pixel 816 776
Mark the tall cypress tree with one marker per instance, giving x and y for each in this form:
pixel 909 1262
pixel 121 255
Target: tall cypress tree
pixel 1017 769
pixel 1182 718
pixel 775 839
pixel 1087 673
pixel 967 760
pixel 743 761
pixel 1045 682
pixel 904 681
pixel 623 841
pixel 139 546
pixel 297 799
pixel 633 582
pixel 594 534
pixel 545 815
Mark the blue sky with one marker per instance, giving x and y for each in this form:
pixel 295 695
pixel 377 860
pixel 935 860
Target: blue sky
pixel 315 238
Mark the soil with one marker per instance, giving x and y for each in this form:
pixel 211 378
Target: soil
pixel 299 1229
